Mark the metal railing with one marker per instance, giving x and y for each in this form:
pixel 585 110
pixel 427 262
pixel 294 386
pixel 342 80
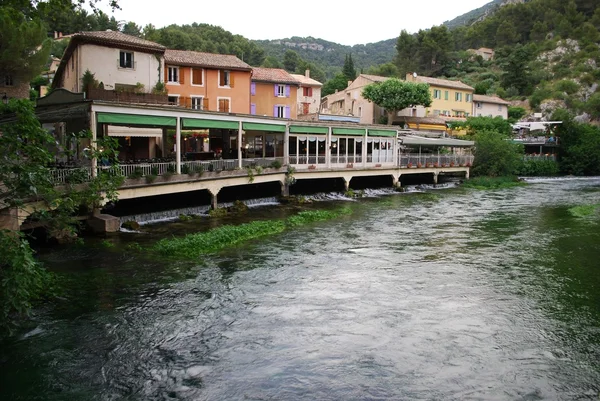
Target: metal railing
pixel 262 162
pixel 408 160
pixel 527 157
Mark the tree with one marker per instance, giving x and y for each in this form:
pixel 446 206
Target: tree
pixel 25 153
pixel 348 70
pixel 515 113
pixel 337 83
pixel 291 59
pixel 384 70
pixel 517 72
pixel 271 62
pixel 395 95
pixel 25 48
pixel 131 28
pixel 406 47
pixel 495 154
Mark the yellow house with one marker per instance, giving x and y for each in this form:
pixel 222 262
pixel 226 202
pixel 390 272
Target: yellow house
pixel 449 98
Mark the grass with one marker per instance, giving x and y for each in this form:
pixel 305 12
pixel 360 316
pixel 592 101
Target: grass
pixel 195 245
pixel 584 210
pixel 493 182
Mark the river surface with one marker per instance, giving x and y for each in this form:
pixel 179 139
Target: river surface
pixel 449 294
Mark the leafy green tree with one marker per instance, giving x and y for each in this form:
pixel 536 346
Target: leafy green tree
pixel 517 72
pixel 291 59
pixel 495 154
pixel 406 47
pixel 579 151
pixel 271 62
pixel 506 34
pixel 395 95
pixel 349 70
pixel 337 83
pixel 131 28
pixel 385 70
pixel 515 113
pixel 316 72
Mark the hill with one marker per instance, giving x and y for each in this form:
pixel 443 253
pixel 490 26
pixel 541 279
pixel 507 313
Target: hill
pixel 474 15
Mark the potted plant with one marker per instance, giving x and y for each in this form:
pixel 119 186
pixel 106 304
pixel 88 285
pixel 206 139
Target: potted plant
pixel 419 165
pixel 409 165
pixel 312 167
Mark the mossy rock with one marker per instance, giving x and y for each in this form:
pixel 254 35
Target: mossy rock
pixel 131 225
pixel 220 212
pixel 184 217
pixel 238 207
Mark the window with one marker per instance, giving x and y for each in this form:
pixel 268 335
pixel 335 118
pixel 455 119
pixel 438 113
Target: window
pixel 307 91
pixel 437 94
pixel 197 76
pixel 479 105
pixel 173 100
pixel 224 104
pixel 446 95
pixel 359 111
pixel 280 111
pixel 197 103
pixel 458 97
pixel 436 113
pixel 280 90
pixel 469 98
pixel 224 78
pixel 125 59
pixel 9 81
pixel 499 107
pixel 173 75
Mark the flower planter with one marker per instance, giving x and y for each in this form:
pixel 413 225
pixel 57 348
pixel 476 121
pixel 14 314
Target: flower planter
pixel 419 165
pixel 349 165
pixel 312 167
pixel 378 165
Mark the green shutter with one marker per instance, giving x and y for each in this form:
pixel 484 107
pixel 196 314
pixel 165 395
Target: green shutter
pixel 201 123
pixel 348 131
pixel 304 129
pixel 263 127
pixel 380 132
pixel 133 119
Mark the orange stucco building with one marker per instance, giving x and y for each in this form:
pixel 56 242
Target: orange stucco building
pixel 274 93
pixel 206 81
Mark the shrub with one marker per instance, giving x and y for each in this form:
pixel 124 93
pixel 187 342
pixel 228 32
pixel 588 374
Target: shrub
pixel 137 173
pixel 276 164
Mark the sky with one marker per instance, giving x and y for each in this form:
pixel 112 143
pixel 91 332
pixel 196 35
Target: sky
pixel 329 20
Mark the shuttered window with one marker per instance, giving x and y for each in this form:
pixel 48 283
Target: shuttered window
pixel 224 105
pixel 173 75
pixel 197 76
pixel 225 78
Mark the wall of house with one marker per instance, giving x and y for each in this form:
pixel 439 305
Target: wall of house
pixel 265 100
pixel 238 92
pixel 18 89
pixel 313 101
pixel 490 109
pixel 451 106
pixel 104 63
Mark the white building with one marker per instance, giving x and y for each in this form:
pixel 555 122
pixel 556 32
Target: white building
pixel 309 94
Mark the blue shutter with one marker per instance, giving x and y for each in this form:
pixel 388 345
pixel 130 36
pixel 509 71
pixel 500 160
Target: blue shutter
pixel 274 111
pixel 287 91
pixel 253 108
pixel 276 91
pixel 253 88
pixel 286 112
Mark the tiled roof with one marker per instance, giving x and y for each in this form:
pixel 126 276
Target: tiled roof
pixel 116 38
pixel 374 78
pixel 305 80
pixel 489 99
pixel 444 83
pixel 198 59
pixel 276 75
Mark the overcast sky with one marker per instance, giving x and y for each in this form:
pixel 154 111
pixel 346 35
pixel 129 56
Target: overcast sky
pixel 334 21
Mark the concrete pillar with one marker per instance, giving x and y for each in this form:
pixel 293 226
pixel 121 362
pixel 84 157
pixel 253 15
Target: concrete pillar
pixel 435 178
pixel 396 181
pixel 214 203
pixel 346 184
pixel 239 148
pixel 328 149
pixel 94 129
pixel 286 146
pixel 178 146
pixel 364 149
pixel 467 173
pixel 285 189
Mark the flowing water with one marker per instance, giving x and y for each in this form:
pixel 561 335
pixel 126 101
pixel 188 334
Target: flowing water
pixel 450 294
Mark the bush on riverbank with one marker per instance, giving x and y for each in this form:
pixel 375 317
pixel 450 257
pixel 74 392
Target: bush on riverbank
pixel 538 168
pixel 493 182
pixel 496 155
pixel 194 245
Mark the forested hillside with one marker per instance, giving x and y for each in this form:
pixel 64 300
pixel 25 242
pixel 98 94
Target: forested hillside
pixel 474 15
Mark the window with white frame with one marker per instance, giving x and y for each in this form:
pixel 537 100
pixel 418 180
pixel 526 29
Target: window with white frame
pixel 280 90
pixel 173 75
pixel 173 100
pixel 224 104
pixel 437 94
pixel 280 111
pixel 224 78
pixel 458 96
pixel 125 59
pixel 469 98
pixel 197 102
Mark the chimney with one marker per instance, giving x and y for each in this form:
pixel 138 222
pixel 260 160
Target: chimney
pixel 307 73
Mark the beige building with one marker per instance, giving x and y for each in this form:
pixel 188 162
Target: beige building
pixel 490 106
pixel 309 94
pixel 449 98
pixel 349 102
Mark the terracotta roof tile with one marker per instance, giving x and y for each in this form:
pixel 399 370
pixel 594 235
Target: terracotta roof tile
pixel 305 80
pixel 116 38
pixel 276 75
pixel 375 78
pixel 444 83
pixel 489 99
pixel 199 59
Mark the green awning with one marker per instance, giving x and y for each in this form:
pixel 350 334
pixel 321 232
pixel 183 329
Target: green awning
pixel 305 129
pixel 202 123
pixel 263 127
pixel 381 132
pixel 348 131
pixel 134 119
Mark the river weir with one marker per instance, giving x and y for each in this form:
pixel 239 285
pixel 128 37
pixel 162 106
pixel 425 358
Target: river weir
pixel 436 293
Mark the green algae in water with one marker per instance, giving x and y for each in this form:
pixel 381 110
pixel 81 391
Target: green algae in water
pixel 584 210
pixel 493 183
pixel 195 245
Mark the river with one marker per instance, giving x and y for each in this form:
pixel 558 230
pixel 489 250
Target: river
pixel 450 294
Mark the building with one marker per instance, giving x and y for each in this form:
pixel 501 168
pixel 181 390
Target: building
pixel 274 93
pixel 349 102
pixel 309 94
pixel 120 62
pixel 206 81
pixel 490 106
pixel 449 98
pixel 484 52
pixel 11 86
